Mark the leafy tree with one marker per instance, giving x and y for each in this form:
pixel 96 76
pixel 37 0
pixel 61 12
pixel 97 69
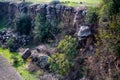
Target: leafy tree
pixel 67 46
pixel 23 24
pixel 59 63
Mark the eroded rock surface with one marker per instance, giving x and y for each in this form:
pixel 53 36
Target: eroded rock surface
pixel 52 11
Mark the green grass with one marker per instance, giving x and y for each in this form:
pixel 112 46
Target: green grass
pixel 20 66
pixel 87 2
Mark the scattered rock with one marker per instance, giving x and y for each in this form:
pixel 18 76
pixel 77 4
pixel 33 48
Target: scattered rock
pixel 84 31
pixel 26 54
pixel 42 62
pixel 41 48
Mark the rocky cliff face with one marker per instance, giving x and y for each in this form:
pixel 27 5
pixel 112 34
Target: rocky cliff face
pixel 52 11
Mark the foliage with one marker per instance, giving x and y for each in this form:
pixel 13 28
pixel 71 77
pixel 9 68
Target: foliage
pixel 16 60
pixel 103 14
pixel 59 63
pixel 44 30
pixel 20 65
pixel 39 21
pixel 10 42
pixel 67 46
pixel 110 33
pixel 111 7
pixel 92 15
pixel 23 24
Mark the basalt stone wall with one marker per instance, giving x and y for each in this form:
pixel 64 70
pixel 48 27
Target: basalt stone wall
pixel 52 11
pixel 4 9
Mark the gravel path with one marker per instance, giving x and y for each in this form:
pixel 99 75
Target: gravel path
pixel 7 72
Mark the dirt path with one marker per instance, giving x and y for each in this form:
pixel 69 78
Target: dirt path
pixel 7 72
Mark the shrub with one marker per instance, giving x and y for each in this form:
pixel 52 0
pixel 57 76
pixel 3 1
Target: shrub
pixel 59 63
pixel 16 60
pixel 110 33
pixel 92 15
pixel 67 46
pixel 23 24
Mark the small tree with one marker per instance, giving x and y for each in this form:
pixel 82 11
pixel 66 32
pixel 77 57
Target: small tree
pixel 59 63
pixel 23 24
pixel 63 61
pixel 68 46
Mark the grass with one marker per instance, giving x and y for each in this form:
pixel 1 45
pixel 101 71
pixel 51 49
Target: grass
pixel 20 65
pixel 76 2
pixel 89 3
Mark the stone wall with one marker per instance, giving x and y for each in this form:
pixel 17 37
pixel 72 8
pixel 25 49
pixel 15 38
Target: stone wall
pixel 52 11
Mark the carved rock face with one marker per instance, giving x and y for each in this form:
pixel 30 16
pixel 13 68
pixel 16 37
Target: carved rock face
pixel 52 12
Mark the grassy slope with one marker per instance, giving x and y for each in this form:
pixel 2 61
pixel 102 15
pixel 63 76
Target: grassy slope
pixel 21 67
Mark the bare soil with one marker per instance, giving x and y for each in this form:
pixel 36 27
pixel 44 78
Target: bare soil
pixel 7 72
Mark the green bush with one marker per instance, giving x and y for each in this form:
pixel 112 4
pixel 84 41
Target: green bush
pixel 16 61
pixel 59 63
pixel 67 46
pixel 92 15
pixel 23 24
pixel 111 7
pixel 110 33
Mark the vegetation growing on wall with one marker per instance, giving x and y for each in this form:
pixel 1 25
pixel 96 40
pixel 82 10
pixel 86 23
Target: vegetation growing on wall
pixel 59 63
pixel 23 24
pixel 44 30
pixel 111 31
pixel 68 46
pixel 62 62
pixel 16 60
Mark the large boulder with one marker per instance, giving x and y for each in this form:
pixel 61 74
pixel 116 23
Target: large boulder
pixel 26 54
pixel 41 48
pixel 42 62
pixel 84 31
